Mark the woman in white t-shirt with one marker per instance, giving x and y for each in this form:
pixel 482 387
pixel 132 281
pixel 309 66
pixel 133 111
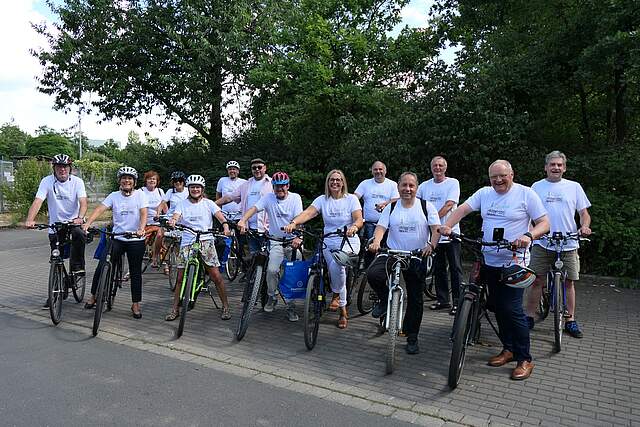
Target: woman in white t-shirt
pixel 154 195
pixel 338 209
pixel 174 195
pixel 129 214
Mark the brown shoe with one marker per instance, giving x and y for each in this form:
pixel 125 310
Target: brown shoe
pixel 503 358
pixel 522 371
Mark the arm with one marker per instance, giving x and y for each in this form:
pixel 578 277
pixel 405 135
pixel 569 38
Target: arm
pixel 446 208
pixel 357 222
pixel 162 208
pixel 435 238
pixel 248 214
pixel 307 214
pixel 378 234
pixel 82 212
pixel 455 218
pixel 99 210
pixel 33 211
pixel 143 222
pixel 218 195
pixel 585 222
pixel 540 228
pixel 225 226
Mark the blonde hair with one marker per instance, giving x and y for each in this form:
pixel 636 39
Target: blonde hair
pixel 345 190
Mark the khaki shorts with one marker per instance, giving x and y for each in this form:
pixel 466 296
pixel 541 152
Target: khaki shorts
pixel 208 254
pixel 542 260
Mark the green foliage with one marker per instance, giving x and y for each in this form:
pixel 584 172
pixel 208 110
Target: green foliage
pixel 12 141
pixel 27 175
pixel 49 143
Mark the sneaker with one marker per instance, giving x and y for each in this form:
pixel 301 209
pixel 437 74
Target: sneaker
pixel 271 304
pixel 379 310
pixel 573 329
pixel 412 347
pixel 291 313
pixel 531 322
pixel 46 305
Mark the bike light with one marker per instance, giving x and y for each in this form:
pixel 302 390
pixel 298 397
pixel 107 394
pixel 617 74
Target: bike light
pixel 558 264
pixel 55 252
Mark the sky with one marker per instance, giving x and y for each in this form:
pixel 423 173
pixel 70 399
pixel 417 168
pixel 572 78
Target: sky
pixel 22 103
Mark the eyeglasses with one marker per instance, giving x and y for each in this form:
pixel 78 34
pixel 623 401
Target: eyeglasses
pixel 335 179
pixel 495 177
pixel 257 167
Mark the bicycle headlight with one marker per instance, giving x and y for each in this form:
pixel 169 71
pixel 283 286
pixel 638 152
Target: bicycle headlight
pixel 55 252
pixel 559 264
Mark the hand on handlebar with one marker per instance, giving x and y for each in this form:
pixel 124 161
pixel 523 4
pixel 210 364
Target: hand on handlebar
pixel 584 231
pixel 29 224
pixel 140 232
pixel 242 227
pixel 296 243
pixel 444 230
pixel 428 250
pixel 351 231
pixel 522 242
pixel 289 228
pixel 374 247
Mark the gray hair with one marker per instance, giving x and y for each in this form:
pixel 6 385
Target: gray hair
pixel 410 174
pixel 439 158
pixel 501 162
pixel 555 154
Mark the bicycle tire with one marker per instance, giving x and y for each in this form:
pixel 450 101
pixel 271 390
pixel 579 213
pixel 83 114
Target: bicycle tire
pixel 173 266
pixel 394 328
pixel 101 296
pixel 232 264
pixel 56 292
pixel 462 326
pixel 79 286
pixel 366 295
pixel 312 311
pixel 558 317
pixel 544 304
pixel 252 289
pixel 189 274
pixel 114 283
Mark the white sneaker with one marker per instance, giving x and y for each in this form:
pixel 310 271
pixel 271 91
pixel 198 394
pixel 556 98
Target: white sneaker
pixel 271 304
pixel 291 313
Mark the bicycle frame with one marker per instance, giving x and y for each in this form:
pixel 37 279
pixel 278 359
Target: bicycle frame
pixel 394 285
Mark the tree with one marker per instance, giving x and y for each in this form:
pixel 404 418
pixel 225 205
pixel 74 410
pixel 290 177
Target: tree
pixel 182 57
pixel 13 140
pixel 49 143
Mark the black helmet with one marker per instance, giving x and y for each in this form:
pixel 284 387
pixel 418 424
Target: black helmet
pixel 178 175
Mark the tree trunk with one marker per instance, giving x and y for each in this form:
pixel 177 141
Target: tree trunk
pixel 620 86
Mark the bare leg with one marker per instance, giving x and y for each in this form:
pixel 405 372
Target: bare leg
pixel 216 277
pixel 176 294
pixel 571 300
pixel 535 292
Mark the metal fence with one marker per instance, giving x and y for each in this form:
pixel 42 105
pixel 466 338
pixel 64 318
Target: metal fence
pixel 6 178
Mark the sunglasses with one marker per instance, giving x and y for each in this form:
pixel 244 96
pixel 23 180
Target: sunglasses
pixel 257 167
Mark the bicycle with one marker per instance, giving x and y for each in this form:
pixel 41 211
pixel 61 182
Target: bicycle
pixel 235 259
pixel 110 278
pixel 472 306
pixel 401 260
pixel 193 280
pixel 366 297
pixel 257 283
pixel 61 279
pixel 317 284
pixel 554 294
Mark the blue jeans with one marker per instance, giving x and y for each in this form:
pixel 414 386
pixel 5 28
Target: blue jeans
pixel 512 323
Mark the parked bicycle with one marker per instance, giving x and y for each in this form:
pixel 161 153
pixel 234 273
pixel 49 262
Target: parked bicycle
pixel 61 279
pixel 235 262
pixel 554 295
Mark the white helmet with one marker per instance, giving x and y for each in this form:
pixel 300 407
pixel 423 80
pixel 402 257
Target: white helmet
pixel 517 276
pixel 233 164
pixel 195 180
pixel 345 259
pixel 127 170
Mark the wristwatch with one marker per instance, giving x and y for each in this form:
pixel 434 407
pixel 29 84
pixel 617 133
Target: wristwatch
pixel 528 235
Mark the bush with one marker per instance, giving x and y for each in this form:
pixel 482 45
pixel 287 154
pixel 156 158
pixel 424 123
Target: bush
pixel 28 175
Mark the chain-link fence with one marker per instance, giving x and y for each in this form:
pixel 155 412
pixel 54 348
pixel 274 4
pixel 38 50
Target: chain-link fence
pixel 6 178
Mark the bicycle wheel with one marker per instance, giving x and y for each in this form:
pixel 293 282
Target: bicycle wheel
pixel 147 258
pixel 558 318
pixel 190 275
pixel 429 281
pixel 56 292
pixel 544 304
pixel 232 264
pixel 394 327
pixel 312 311
pixel 252 288
pixel 78 286
pixel 114 284
pixel 101 296
pixel 366 295
pixel 462 326
pixel 173 266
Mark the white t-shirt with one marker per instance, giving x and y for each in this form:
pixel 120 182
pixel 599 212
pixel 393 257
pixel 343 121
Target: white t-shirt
pixel 174 198
pixel 252 198
pixel 126 211
pixel 336 213
pixel 198 216
pixel 63 198
pixel 374 193
pixel 512 211
pixel 153 199
pixel 280 212
pixel 227 186
pixel 439 193
pixel 408 228
pixel 562 200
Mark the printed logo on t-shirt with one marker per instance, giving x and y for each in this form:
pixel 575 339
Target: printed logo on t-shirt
pixel 336 214
pixel 378 196
pixel 553 197
pixel 408 228
pixel 194 218
pixel 60 196
pixel 126 212
pixel 497 209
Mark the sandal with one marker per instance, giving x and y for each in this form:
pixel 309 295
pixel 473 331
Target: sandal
pixel 166 269
pixel 335 302
pixel 226 314
pixel 342 322
pixel 173 315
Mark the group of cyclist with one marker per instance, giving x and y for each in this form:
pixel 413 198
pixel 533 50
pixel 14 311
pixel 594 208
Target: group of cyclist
pixel 402 216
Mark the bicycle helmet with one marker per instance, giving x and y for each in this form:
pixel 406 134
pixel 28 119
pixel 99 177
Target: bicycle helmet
pixel 280 178
pixel 517 276
pixel 177 175
pixel 195 180
pixel 233 164
pixel 61 159
pixel 127 170
pixel 345 259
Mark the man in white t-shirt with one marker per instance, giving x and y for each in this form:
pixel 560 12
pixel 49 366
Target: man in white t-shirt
pixel 511 208
pixel 408 230
pixel 444 193
pixel 375 193
pixel 562 198
pixel 248 194
pixel 227 185
pixel 67 201
pixel 281 207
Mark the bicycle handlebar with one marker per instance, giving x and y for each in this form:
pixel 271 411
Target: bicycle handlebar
pixel 399 253
pixel 560 237
pixel 56 225
pixel 500 244
pixel 125 234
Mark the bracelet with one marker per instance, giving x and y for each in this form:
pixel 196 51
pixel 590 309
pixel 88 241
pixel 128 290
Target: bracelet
pixel 528 235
